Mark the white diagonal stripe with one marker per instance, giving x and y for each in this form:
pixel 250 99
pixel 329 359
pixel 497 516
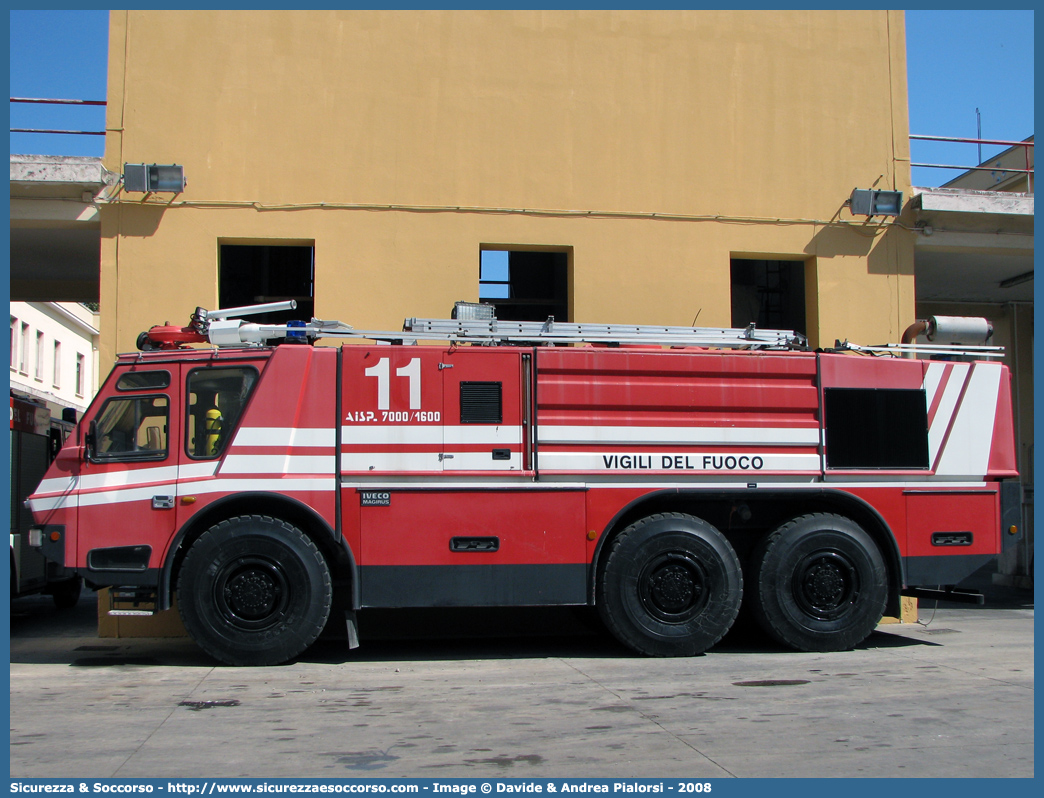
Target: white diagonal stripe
pixel 944 414
pixel 967 450
pixel 932 377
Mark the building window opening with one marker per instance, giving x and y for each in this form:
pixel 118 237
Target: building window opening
pixel 769 293
pixel 57 375
pixel 23 362
pixel 255 274
pixel 40 346
pixel 525 285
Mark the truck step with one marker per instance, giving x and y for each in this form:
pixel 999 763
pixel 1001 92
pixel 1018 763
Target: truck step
pixel 132 601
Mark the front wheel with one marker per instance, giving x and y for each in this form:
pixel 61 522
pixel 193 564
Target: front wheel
pixel 819 583
pixel 671 586
pixel 254 590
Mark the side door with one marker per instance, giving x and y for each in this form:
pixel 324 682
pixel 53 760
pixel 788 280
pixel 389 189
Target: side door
pixel 216 396
pixel 126 511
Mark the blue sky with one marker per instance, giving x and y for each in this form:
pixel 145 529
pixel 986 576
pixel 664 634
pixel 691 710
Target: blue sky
pixel 957 61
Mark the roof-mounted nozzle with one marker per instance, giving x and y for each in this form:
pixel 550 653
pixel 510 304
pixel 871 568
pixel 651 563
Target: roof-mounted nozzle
pixel 215 326
pixel 248 310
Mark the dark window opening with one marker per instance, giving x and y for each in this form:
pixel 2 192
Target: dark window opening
pixel 216 399
pixel 134 428
pixel 525 286
pixel 143 380
pixel 875 428
pixel 252 275
pixel 770 293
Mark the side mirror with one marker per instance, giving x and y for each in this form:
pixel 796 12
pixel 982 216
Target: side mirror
pixel 69 457
pixel 90 440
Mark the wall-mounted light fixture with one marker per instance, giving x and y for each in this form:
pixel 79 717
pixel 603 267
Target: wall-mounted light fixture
pixel 153 177
pixel 871 202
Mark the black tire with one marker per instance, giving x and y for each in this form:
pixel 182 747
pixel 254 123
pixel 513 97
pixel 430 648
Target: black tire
pixel 254 590
pixel 66 593
pixel 819 583
pixel 671 586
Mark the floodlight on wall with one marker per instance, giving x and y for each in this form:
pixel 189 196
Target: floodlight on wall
pixel 153 177
pixel 871 202
pixel 473 311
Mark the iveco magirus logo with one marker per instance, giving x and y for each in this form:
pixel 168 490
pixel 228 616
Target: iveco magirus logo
pixel 375 498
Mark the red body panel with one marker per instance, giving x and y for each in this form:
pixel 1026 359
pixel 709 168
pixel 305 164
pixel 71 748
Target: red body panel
pixel 931 513
pixel 610 411
pixel 532 527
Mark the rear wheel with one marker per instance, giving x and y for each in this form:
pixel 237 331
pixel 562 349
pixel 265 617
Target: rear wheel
pixel 254 590
pixel 819 583
pixel 671 586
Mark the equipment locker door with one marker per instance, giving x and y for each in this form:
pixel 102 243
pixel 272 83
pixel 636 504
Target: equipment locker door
pixel 391 419
pixel 482 408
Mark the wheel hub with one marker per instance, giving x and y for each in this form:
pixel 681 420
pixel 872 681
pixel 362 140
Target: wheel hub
pixel 825 584
pixel 673 587
pixel 252 592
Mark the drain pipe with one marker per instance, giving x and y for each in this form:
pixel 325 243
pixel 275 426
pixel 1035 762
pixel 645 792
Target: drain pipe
pixel 919 327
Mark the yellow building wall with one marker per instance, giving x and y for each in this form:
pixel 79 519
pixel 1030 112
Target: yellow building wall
pixel 653 146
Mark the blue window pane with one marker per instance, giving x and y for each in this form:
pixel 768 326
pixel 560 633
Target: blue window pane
pixel 493 265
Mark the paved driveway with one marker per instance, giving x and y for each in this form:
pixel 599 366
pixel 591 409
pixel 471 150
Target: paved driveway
pixel 950 699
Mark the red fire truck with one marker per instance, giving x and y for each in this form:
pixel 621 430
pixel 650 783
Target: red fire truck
pixel 35 439
pixel 664 475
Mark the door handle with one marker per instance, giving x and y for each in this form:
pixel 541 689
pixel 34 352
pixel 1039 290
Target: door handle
pixel 162 502
pixel 474 544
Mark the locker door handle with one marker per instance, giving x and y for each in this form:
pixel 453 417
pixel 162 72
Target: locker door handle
pixel 474 544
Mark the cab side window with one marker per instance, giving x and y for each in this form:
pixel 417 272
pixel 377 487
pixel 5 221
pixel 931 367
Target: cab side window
pixel 216 399
pixel 132 428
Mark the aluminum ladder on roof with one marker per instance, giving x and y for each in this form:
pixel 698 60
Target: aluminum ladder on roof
pixel 223 331
pixel 493 331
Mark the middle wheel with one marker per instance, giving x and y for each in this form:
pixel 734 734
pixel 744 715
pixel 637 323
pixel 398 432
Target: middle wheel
pixel 671 587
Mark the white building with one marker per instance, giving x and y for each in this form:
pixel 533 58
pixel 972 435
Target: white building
pixel 54 349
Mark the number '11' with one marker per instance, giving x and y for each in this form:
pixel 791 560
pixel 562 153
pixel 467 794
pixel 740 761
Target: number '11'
pixel 382 371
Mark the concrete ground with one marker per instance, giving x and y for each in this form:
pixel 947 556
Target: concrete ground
pixel 494 695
